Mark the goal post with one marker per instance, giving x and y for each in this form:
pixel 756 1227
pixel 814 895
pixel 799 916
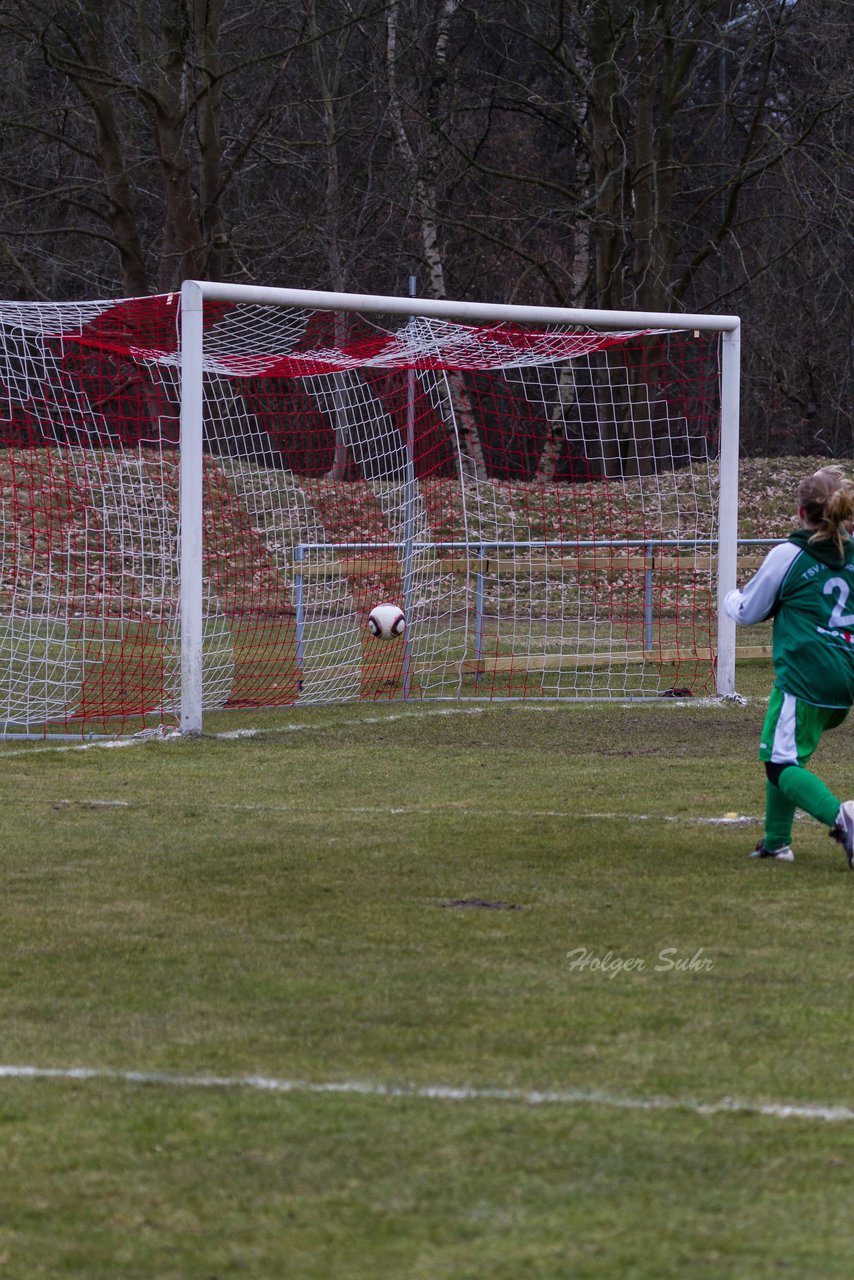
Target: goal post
pixel 191 511
pixel 204 494
pixel 722 655
pixel 728 504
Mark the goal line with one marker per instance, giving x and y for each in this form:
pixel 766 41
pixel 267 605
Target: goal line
pixel 824 1112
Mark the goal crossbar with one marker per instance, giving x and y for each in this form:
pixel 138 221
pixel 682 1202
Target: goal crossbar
pixel 195 292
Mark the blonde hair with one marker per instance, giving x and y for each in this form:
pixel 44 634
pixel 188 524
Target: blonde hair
pixel 827 500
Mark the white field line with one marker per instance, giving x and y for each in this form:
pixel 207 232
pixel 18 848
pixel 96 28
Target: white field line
pixel 440 1093
pixel 420 810
pixel 174 735
pixel 301 726
pixel 164 734
pixel 422 713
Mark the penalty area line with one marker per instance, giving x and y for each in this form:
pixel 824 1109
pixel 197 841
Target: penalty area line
pixel 449 810
pixel 453 811
pixel 828 1113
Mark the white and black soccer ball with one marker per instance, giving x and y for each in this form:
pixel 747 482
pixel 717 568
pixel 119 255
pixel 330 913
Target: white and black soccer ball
pixel 386 622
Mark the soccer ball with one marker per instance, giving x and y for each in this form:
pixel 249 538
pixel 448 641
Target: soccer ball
pixel 386 621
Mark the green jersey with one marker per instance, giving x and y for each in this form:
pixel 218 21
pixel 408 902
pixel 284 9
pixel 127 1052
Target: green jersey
pixel 808 589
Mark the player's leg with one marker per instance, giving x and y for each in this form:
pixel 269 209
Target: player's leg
pixel 790 735
pixel 779 817
pixel 776 841
pixel 798 732
pixel 806 791
pixel 809 793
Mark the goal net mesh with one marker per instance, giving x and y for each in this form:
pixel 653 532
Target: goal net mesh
pixel 541 502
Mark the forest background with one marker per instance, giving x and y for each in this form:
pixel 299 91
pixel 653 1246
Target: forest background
pixel 663 154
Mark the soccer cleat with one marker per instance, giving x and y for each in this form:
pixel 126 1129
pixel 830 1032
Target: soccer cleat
pixel 843 829
pixel 783 854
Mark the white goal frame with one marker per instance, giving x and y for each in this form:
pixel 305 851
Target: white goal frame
pixel 194 295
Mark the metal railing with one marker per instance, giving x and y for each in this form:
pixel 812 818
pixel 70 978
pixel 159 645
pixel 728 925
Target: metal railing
pixel 477 558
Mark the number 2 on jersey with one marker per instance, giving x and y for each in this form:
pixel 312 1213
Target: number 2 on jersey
pixel 838 618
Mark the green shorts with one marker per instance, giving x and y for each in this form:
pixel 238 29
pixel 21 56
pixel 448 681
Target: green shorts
pixel 793 728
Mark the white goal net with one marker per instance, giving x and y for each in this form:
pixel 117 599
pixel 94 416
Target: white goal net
pixel 209 521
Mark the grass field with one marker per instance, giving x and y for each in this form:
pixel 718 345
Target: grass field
pixel 447 993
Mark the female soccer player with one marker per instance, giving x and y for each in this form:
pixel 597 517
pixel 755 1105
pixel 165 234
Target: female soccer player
pixel 806 585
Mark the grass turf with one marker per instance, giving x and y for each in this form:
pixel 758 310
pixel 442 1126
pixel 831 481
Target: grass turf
pixel 281 906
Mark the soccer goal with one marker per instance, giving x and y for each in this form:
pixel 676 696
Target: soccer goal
pixel 206 494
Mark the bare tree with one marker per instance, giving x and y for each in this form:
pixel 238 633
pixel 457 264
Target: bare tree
pixel 422 158
pixel 137 93
pixel 654 154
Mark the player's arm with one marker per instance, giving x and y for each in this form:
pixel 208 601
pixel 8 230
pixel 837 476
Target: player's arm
pixel 757 600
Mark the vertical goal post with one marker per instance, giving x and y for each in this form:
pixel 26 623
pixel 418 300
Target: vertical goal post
pixel 195 294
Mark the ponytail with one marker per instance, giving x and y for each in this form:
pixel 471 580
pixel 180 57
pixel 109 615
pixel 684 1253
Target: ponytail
pixel 827 499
